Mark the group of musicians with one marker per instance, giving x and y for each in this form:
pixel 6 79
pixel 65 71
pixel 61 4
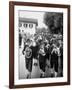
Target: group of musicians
pixel 48 54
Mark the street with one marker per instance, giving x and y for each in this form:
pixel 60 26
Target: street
pixel 22 68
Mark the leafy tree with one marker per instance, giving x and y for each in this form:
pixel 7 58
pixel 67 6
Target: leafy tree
pixel 54 22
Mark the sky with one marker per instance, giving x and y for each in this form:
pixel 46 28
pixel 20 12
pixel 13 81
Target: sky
pixel 35 15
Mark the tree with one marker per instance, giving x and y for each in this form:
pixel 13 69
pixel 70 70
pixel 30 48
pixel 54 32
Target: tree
pixel 54 22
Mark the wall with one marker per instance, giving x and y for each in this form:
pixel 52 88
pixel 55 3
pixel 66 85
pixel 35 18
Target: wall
pixel 4 44
pixel 28 29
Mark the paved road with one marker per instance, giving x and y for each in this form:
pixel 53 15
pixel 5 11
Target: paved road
pixel 35 69
pixel 23 71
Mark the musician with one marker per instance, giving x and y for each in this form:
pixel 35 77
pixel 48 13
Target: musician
pixel 61 59
pixel 54 60
pixel 47 50
pixel 27 51
pixel 42 59
pixel 35 48
pixel 48 66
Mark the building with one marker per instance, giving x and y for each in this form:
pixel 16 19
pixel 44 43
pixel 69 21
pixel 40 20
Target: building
pixel 27 25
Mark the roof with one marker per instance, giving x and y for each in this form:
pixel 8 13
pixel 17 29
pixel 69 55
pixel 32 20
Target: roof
pixel 28 20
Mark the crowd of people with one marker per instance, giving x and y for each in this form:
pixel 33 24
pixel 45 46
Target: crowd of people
pixel 48 52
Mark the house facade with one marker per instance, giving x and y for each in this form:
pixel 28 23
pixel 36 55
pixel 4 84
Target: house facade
pixel 27 25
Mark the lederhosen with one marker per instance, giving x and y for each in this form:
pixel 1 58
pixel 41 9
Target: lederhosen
pixel 47 53
pixel 35 51
pixel 54 61
pixel 42 61
pixel 61 57
pixel 28 58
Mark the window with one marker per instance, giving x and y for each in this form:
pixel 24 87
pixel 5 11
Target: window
pixel 31 25
pixel 20 24
pixel 19 30
pixel 22 30
pixel 25 25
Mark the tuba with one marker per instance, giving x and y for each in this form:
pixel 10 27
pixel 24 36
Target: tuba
pixel 28 52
